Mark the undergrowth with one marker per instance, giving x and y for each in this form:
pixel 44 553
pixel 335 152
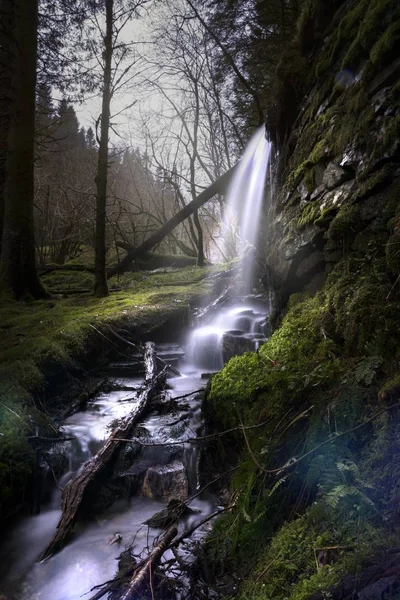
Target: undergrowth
pixel 311 475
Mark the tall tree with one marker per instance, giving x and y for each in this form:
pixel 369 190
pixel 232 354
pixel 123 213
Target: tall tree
pixel 116 73
pixel 100 286
pixel 18 248
pixel 6 32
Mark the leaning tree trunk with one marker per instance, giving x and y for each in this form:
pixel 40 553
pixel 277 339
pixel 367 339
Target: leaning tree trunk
pixel 218 187
pixel 100 285
pixel 18 247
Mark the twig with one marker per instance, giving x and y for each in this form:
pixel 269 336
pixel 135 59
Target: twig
pixel 189 394
pixel 247 442
pixel 151 581
pixel 328 441
pixel 189 532
pixel 213 481
pixel 392 288
pixel 11 410
pixel 196 439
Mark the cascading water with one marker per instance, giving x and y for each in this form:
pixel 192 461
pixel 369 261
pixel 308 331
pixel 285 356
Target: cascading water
pixel 241 325
pixel 245 198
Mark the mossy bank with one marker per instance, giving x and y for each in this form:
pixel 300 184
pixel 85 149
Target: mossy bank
pixel 318 484
pixel 45 342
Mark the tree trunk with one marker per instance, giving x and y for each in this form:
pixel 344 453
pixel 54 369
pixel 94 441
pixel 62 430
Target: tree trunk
pixel 200 239
pixel 6 32
pixel 100 286
pixel 217 187
pixel 18 248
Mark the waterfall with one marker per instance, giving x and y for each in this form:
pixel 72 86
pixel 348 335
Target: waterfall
pixel 244 201
pixel 241 324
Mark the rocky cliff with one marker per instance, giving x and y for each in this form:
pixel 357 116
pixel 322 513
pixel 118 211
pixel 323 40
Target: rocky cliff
pixel 341 162
pixel 317 490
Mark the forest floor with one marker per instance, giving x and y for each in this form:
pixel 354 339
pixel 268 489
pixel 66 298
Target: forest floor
pixel 46 339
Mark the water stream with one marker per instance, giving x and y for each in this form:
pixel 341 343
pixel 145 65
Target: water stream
pixel 89 557
pixel 160 473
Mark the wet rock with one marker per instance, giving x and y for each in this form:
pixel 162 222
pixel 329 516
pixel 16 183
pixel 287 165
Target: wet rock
pixel 235 332
pixel 387 587
pixel 303 191
pixel 292 246
pixel 352 158
pixel 312 263
pixel 174 511
pixel 234 345
pixel 333 255
pixel 334 176
pixel 166 482
pixel 244 323
pixel 381 100
pixel 317 192
pixel 385 77
pixel 338 196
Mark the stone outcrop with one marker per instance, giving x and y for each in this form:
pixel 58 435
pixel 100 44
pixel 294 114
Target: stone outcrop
pixel 343 163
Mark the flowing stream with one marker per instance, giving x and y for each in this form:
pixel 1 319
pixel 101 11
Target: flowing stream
pixel 160 472
pixel 88 559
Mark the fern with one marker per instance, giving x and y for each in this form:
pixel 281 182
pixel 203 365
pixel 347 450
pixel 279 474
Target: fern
pixel 276 485
pixel 366 369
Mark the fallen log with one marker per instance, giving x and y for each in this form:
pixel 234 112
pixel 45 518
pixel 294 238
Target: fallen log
pixel 218 187
pixel 150 361
pixel 46 269
pixel 94 389
pixel 86 484
pixel 142 576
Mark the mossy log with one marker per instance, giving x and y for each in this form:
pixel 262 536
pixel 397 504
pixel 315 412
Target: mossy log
pixel 90 478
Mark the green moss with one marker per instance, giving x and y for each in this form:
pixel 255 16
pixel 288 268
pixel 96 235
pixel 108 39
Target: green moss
pixel 385 45
pixel 393 253
pixel 319 152
pixel 344 223
pixel 343 34
pixel 390 389
pixel 309 214
pixel 376 19
pixel 289 568
pixel 374 182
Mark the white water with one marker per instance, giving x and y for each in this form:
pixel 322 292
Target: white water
pixel 245 198
pixel 89 558
pixel 241 324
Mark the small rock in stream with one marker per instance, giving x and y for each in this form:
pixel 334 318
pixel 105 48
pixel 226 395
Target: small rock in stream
pixel 166 482
pixel 174 511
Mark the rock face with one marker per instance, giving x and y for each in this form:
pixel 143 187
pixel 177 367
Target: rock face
pixel 341 166
pixel 167 482
pixel 235 345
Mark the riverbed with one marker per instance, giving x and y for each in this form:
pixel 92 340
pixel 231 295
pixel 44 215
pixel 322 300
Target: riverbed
pixel 89 558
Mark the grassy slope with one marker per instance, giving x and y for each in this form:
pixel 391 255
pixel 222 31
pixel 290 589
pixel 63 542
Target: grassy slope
pixel 56 331
pixel 331 365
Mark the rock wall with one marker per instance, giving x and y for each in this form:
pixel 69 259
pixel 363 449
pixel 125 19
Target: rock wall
pixel 340 166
